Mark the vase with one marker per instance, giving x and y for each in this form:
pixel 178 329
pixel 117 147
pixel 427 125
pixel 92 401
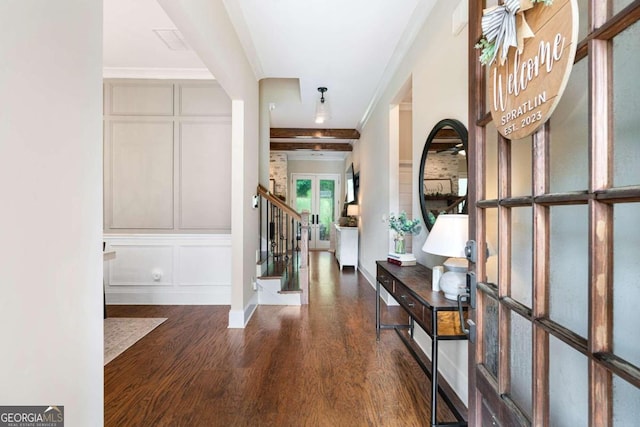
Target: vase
pixel 399 247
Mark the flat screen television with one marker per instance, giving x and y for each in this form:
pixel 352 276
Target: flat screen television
pixel 350 185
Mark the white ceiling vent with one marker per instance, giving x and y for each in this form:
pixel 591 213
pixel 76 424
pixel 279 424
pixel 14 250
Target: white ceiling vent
pixel 173 38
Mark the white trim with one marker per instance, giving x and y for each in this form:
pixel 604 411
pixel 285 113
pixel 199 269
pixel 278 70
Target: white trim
pixel 239 319
pixel 213 296
pixel 156 73
pixel 384 295
pixel 406 106
pixel 123 238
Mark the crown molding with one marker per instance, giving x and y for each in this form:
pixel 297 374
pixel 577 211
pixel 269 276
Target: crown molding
pixel 157 73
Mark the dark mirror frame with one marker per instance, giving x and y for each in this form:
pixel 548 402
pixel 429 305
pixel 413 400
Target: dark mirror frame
pixel 459 129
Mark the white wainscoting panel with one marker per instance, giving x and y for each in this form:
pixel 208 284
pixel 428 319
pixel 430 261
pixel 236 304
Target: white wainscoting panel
pixel 205 175
pixel 141 174
pixel 165 269
pixel 137 264
pixel 134 99
pixel 204 265
pixel 208 99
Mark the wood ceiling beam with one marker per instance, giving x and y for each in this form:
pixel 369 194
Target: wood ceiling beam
pixel 447 133
pixel 314 133
pixel 310 145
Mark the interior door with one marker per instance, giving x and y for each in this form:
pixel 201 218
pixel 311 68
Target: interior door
pixel 557 291
pixel 319 195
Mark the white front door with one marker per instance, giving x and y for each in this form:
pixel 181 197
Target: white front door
pixel 317 194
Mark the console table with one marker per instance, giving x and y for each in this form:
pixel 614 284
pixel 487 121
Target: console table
pixel 438 316
pixel 347 246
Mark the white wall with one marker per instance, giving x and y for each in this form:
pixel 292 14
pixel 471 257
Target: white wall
pixel 208 30
pixel 437 65
pixel 315 166
pixel 51 216
pixel 405 169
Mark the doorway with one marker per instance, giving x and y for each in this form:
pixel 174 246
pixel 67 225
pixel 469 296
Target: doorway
pixel 318 194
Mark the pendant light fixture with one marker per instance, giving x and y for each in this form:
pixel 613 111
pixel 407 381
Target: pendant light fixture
pixel 322 107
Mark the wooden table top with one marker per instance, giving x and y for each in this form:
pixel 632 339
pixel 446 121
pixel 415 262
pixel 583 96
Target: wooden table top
pixel 417 278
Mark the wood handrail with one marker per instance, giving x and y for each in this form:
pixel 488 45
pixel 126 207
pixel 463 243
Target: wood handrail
pixel 455 204
pixel 278 203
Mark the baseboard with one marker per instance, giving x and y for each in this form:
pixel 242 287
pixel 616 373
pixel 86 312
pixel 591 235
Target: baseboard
pixel 238 319
pixel 213 296
pixel 384 295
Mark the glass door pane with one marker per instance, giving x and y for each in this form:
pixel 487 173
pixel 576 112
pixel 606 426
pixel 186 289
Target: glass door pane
pixel 303 195
pixel 626 102
pixel 521 365
pixel 626 410
pixel 626 291
pixel 569 267
pixel 568 385
pixel 317 194
pixel 570 142
pixel 304 200
pixel 327 209
pixel 521 254
pixel 490 334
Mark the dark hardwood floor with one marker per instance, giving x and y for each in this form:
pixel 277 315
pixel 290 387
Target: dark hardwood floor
pixel 317 365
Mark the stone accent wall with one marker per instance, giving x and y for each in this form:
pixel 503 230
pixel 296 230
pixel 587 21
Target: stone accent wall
pixel 278 172
pixel 443 166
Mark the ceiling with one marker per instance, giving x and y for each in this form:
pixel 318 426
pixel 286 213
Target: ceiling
pixel 351 47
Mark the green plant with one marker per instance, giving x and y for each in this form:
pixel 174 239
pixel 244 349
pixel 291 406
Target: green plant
pixel 402 225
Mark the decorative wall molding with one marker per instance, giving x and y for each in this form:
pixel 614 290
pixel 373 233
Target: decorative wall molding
pixel 169 269
pixel 167 151
pixel 153 139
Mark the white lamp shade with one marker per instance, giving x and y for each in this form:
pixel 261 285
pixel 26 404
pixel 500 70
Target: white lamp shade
pixel 323 112
pixel 448 236
pixel 353 210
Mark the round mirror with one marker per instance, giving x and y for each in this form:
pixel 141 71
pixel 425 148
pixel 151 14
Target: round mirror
pixel 443 171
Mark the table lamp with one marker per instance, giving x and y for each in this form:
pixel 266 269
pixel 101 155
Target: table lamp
pixel 352 212
pixel 448 237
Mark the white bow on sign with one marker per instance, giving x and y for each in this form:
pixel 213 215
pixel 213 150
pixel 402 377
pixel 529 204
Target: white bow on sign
pixel 505 26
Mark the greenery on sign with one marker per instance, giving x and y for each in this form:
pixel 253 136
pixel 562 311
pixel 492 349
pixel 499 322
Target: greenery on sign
pixel 402 225
pixel 488 50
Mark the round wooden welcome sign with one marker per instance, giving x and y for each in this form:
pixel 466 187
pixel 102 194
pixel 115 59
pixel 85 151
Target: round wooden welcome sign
pixel 526 88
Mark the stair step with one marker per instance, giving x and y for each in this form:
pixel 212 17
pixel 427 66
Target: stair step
pixel 292 291
pixel 270 293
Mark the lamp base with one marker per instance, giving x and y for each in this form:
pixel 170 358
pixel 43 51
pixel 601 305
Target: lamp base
pixel 452 284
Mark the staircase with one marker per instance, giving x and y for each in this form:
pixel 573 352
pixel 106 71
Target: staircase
pixel 283 258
